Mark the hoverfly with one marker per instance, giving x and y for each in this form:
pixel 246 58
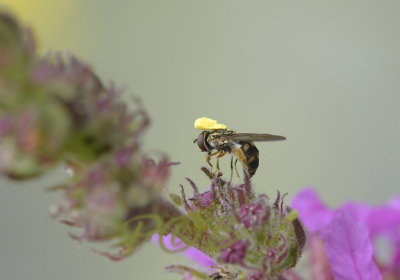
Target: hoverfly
pixel 217 137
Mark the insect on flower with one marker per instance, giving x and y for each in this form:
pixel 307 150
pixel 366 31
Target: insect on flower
pixel 217 137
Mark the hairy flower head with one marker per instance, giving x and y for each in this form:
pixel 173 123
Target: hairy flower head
pixel 247 233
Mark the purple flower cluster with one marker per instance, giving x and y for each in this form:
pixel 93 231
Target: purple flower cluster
pixel 235 253
pixel 254 237
pixel 254 214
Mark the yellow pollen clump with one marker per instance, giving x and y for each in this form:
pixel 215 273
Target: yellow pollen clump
pixel 208 124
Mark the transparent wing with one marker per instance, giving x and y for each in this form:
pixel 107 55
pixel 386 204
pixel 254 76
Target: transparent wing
pixel 250 137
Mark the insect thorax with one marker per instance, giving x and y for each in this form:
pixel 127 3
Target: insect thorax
pixel 215 141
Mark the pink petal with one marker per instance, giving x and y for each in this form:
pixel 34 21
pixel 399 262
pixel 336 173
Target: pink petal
pixel 382 220
pixel 192 253
pixel 320 266
pixel 359 211
pixel 349 249
pixel 188 276
pixel 394 203
pixel 199 257
pixel 312 211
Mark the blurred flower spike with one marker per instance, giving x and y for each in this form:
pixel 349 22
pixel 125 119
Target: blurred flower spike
pixel 55 110
pixel 343 241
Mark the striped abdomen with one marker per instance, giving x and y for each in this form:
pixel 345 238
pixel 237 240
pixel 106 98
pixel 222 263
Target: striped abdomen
pixel 247 153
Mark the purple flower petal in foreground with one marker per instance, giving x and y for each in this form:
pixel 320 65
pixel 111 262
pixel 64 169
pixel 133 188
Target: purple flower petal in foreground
pixel 313 213
pixel 349 249
pixel 381 220
pixel 319 263
pixel 192 253
pixel 316 216
pixel 372 221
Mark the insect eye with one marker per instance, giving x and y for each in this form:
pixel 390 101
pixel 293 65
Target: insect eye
pixel 201 141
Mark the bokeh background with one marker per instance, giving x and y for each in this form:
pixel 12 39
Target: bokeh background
pixel 325 74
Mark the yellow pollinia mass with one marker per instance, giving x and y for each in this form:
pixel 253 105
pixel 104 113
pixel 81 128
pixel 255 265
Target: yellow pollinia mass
pixel 208 124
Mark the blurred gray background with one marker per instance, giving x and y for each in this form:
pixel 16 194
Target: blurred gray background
pixel 325 74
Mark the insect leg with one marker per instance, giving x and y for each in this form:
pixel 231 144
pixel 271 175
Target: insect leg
pixel 221 154
pixel 237 173
pixel 230 180
pixel 208 158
